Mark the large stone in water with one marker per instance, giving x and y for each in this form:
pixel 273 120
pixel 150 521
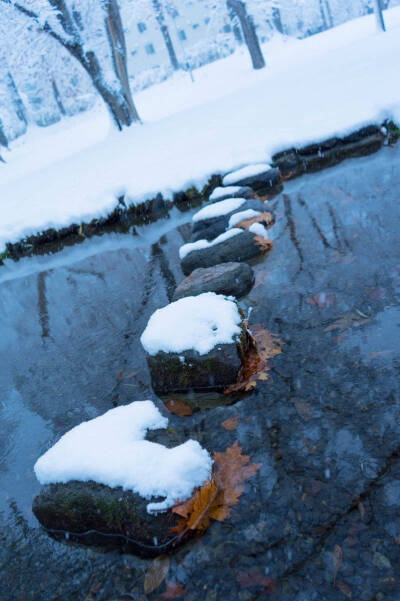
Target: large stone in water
pixel 208 229
pixel 242 247
pixel 231 279
pixel 95 514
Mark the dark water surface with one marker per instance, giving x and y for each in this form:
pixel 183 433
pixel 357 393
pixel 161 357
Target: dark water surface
pixel 322 518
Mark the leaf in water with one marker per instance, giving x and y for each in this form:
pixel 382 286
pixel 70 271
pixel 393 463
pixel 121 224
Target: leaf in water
pixel 264 245
pixel 173 591
pixel 231 423
pixel 321 300
pixel 215 498
pixel 337 557
pixel 263 346
pixel 120 374
pixel 178 408
pixel 345 589
pixel 303 409
pixel 361 509
pixel 255 578
pixel 348 320
pixel 155 574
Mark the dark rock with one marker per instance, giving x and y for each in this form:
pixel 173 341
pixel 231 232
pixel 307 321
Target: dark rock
pixel 188 370
pixel 243 192
pixel 231 279
pixel 208 229
pixel 241 247
pixel 263 182
pixel 315 157
pixel 95 514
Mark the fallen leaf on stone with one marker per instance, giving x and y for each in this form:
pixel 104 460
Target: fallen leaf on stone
pixel 155 574
pixel 263 346
pixel 173 591
pixel 337 557
pixel 265 218
pixel 263 244
pixel 255 578
pixel 345 589
pixel 178 408
pixel 214 500
pixel 231 423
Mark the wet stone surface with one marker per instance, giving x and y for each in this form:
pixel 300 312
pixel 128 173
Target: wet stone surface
pixel 321 518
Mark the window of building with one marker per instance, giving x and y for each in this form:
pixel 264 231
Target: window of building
pixel 149 49
pixel 207 20
pixel 182 34
pixel 195 25
pixel 227 28
pixel 141 27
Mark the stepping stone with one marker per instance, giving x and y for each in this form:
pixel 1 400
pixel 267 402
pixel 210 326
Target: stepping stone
pixel 196 343
pixel 231 279
pixel 104 484
pixel 261 177
pixel 213 219
pixel 221 193
pixel 234 245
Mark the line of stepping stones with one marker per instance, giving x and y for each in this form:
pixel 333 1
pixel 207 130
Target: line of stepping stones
pixel 224 236
pixel 204 311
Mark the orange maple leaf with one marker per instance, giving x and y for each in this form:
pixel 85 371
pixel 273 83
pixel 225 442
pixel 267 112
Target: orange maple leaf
pixel 265 218
pixel 214 500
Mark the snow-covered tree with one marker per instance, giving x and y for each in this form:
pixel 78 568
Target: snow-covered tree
pixel 91 31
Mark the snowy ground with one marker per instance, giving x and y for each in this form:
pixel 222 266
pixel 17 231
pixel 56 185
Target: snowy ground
pixel 325 85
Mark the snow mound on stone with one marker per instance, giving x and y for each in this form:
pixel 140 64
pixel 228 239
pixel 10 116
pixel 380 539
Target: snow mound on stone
pixel 191 246
pixel 112 450
pixel 223 207
pixel 196 323
pixel 244 172
pixel 242 215
pixel 259 230
pixel 217 193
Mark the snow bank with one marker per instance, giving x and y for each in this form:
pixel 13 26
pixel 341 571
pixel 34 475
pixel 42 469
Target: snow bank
pixel 112 450
pixel 247 171
pixel 192 323
pixel 242 215
pixel 259 230
pixel 191 246
pixel 326 85
pixel 223 207
pixel 217 193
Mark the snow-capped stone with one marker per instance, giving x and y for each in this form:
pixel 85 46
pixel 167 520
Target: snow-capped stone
pixel 223 207
pixel 210 228
pixel 221 193
pixel 259 230
pixel 242 216
pixel 196 343
pixel 260 176
pixel 111 450
pixel 241 247
pixel 201 244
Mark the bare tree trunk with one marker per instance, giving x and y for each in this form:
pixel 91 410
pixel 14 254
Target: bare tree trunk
pixel 276 17
pixel 249 32
pixel 57 97
pixel 16 99
pixel 326 14
pixel 118 98
pixel 116 39
pixel 380 21
pixel 165 33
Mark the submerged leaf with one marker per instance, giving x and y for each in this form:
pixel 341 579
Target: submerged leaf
pixel 178 408
pixel 155 574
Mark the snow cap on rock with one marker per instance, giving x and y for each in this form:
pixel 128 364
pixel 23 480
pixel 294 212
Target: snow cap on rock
pixel 112 450
pixel 196 323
